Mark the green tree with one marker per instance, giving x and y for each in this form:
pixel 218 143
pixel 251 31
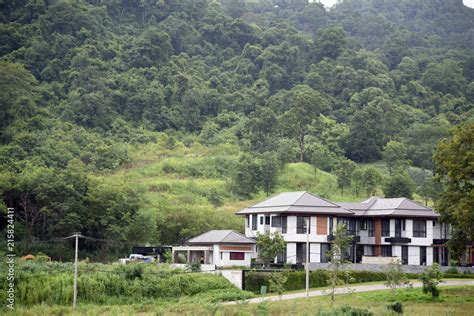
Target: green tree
pixel 399 185
pixel 270 245
pixel 344 172
pixel 262 129
pixel 457 245
pixel 246 179
pixel 394 155
pixel 371 178
pixel 430 278
pixel 269 172
pixel 394 275
pixel 430 188
pixel 306 106
pixel 365 140
pixel 337 256
pixel 330 42
pixel 453 158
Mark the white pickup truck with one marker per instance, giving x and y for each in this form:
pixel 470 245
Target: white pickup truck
pixel 137 258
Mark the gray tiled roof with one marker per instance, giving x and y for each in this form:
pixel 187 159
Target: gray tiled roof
pixel 376 206
pixel 221 236
pixel 295 202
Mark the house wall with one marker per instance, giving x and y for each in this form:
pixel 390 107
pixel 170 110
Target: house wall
pixel 319 231
pixel 222 255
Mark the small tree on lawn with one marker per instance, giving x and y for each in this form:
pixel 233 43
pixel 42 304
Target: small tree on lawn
pixel 431 278
pixel 270 245
pixel 395 277
pixel 277 283
pixel 337 256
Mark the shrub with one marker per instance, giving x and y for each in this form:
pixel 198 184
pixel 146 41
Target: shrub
pixel 277 283
pixel 452 270
pixel 396 307
pixel 133 271
pixel 395 276
pixel 194 267
pixel 431 278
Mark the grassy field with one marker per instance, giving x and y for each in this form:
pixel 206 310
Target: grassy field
pixel 453 301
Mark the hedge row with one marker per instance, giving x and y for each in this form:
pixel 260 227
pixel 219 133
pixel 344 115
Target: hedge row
pixel 296 279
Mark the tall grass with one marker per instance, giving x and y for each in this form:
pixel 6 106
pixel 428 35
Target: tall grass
pixel 101 284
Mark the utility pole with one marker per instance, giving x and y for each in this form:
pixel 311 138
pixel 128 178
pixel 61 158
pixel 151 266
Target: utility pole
pixel 308 221
pixel 76 235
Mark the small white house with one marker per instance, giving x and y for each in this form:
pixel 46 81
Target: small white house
pixel 221 248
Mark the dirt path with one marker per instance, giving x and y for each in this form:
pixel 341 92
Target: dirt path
pixel 350 289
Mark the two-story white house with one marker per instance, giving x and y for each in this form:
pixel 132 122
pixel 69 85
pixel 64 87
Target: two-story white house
pixel 394 227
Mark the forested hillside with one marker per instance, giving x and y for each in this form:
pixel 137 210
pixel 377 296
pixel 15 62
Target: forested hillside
pixel 153 120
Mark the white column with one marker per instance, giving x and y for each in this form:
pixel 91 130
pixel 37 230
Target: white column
pixel 429 256
pixel 414 255
pixel 397 252
pixel 315 253
pixel 291 252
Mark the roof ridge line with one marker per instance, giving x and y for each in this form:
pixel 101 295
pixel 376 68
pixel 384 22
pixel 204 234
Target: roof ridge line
pixel 317 196
pixel 301 195
pixel 230 232
pixel 419 204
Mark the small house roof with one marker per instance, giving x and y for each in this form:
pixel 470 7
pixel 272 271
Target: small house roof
pixel 221 237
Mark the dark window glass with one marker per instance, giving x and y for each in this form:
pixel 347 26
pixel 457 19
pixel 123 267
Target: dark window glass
pixel 261 220
pixel 267 220
pixel 369 250
pixel 301 225
pixel 349 223
pixel 385 227
pixel 324 249
pixel 398 228
pixel 404 254
pixel 300 252
pixel 423 256
pixel 386 251
pixel 281 257
pixel 254 222
pixel 419 229
pixel 363 225
pixel 284 224
pixel 276 221
pixel 331 221
pixel 237 256
pixel 371 228
pixel 436 254
pixel 403 224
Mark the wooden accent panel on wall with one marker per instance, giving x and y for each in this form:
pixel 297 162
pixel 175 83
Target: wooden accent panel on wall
pixel 321 225
pixel 378 231
pixel 237 248
pixel 377 250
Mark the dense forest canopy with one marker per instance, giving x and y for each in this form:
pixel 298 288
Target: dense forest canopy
pixel 84 83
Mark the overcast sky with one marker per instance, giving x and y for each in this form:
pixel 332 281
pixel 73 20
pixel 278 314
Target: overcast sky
pixel 328 3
